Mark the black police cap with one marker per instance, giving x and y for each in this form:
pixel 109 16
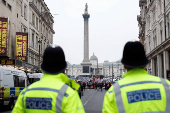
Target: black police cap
pixel 134 55
pixel 53 60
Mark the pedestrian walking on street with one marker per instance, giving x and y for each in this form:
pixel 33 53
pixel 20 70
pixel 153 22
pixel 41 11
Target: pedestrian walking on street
pixel 84 86
pixel 137 92
pixel 79 90
pixel 105 85
pixel 109 85
pixel 54 93
pixel 101 86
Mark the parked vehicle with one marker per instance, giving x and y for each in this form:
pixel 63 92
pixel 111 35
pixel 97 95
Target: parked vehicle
pixel 12 82
pixel 33 77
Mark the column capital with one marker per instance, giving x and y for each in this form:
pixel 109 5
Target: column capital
pixel 86 16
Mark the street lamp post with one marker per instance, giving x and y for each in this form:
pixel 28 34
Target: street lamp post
pixel 39 42
pixel 112 72
pixel 72 70
pixel 97 67
pixel 109 69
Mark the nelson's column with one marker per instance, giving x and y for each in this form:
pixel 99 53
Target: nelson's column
pixel 86 64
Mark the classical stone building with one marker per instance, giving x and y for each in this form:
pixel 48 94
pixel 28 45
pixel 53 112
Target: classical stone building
pixel 17 16
pixel 40 29
pixel 32 17
pixel 104 68
pixel 155 34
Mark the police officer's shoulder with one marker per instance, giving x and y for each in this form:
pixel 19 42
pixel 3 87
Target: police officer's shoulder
pixel 110 90
pixel 70 90
pixel 168 81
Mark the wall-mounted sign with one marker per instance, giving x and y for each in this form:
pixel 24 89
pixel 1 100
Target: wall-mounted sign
pixel 7 62
pixel 3 36
pixel 21 46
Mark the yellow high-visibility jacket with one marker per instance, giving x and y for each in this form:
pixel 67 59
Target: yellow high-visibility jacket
pixel 138 92
pixel 52 94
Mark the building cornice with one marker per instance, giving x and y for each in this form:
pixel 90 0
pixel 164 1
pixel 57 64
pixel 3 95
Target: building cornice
pixel 162 45
pixel 41 15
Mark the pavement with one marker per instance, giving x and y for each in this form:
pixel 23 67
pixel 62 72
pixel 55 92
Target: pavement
pixel 92 101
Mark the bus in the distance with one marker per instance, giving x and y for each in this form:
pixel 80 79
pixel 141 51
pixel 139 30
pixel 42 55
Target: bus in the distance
pixel 79 77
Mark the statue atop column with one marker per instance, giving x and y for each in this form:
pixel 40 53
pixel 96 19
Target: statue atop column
pixel 86 9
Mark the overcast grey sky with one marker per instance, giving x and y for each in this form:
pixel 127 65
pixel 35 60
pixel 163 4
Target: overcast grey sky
pixel 111 24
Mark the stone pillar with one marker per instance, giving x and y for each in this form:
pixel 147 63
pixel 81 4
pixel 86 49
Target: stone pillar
pixel 166 63
pixel 86 64
pixel 152 67
pixel 94 71
pixel 159 65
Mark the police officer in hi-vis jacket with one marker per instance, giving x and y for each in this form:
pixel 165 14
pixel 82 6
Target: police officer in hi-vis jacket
pixel 137 92
pixel 55 92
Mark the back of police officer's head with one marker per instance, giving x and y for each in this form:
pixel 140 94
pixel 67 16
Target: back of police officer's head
pixel 53 60
pixel 134 55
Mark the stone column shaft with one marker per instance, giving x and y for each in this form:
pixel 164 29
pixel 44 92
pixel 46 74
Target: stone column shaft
pixel 86 40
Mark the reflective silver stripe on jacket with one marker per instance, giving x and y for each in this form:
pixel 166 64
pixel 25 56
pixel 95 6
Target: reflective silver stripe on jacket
pixel 23 99
pixel 167 92
pixel 61 94
pixel 119 100
pixel 60 98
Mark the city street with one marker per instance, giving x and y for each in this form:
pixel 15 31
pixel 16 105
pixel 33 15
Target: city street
pixel 92 101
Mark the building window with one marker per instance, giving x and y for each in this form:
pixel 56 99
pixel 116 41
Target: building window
pixel 162 58
pixel 36 22
pixel 21 9
pixel 154 16
pixel 4 2
pixel 160 6
pixel 9 7
pixel 37 42
pixel 39 25
pixel 33 17
pixel 32 60
pixel 25 30
pixel 168 30
pixel 25 11
pixel 161 35
pixel 32 40
pixel 155 67
pixel 21 28
pixel 155 42
pixel 35 63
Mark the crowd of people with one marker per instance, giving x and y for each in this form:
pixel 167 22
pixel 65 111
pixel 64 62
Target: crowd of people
pixel 92 85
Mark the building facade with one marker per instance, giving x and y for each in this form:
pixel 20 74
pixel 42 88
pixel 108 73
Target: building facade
pixel 106 68
pixel 155 35
pixel 32 17
pixel 40 30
